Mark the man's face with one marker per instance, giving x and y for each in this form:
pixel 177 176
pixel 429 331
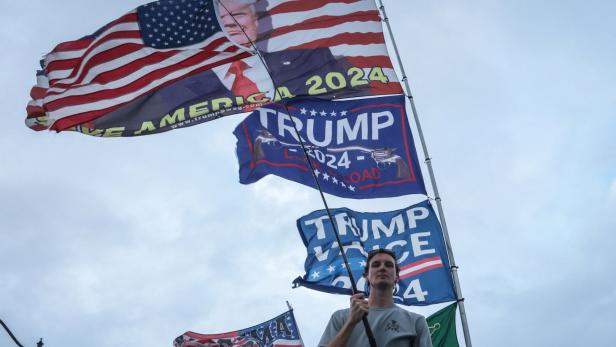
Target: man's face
pixel 233 13
pixel 382 271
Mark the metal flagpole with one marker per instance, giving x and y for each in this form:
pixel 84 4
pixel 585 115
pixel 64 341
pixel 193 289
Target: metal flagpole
pixel 354 290
pixel 10 333
pixel 437 198
pixel 298 333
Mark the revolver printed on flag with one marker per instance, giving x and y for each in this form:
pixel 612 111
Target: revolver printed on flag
pixel 359 148
pixel 413 234
pixel 382 157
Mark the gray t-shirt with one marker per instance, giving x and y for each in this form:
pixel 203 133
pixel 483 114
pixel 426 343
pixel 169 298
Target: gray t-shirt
pixel 391 326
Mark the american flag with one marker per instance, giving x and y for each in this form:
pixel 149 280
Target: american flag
pixel 281 331
pixel 350 28
pixel 165 41
pixel 138 53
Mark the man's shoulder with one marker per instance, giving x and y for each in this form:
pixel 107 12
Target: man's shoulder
pixel 343 312
pixel 412 315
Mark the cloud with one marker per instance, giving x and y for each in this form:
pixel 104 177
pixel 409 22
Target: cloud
pixel 280 192
pixel 612 190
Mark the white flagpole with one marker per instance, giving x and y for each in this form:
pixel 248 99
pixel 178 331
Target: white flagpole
pixel 437 198
pixel 298 333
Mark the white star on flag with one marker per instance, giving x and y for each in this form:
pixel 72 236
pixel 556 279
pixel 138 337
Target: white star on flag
pixel 331 268
pixel 315 274
pixel 303 110
pixel 313 112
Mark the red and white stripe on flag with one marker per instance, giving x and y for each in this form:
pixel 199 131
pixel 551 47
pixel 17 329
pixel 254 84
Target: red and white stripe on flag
pixel 88 78
pixel 287 343
pixel 92 76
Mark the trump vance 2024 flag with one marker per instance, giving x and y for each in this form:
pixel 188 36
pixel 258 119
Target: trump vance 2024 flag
pixel 413 234
pixel 176 63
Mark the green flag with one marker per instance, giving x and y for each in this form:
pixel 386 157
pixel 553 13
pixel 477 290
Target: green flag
pixel 442 327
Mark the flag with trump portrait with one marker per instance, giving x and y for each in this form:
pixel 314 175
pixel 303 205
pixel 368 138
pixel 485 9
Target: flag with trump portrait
pixel 280 331
pixel 413 234
pixel 175 63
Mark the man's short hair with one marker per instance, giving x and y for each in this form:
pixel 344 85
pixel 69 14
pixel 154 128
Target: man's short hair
pixel 246 2
pixel 243 2
pixel 252 8
pixel 381 251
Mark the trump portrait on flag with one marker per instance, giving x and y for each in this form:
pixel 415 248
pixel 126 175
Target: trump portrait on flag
pixel 287 70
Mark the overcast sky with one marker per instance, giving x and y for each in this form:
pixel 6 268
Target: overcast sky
pixel 132 241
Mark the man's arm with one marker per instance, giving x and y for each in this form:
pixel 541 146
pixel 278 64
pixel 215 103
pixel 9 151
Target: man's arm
pixel 423 338
pixel 359 308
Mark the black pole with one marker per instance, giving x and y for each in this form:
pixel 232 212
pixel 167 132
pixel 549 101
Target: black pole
pixel 40 343
pixel 10 333
pixel 354 290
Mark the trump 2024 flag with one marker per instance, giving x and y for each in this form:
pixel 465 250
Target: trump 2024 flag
pixel 413 234
pixel 277 332
pixel 359 148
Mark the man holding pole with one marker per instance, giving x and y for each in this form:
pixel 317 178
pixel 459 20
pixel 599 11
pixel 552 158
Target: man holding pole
pixel 391 325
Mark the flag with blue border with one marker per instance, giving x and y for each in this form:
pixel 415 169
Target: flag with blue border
pixel 359 148
pixel 413 234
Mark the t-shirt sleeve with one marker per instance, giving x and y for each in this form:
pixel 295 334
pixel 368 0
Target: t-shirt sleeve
pixel 423 333
pixel 331 330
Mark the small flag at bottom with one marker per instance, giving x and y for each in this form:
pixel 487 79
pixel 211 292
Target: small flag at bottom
pixel 442 327
pixel 277 332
